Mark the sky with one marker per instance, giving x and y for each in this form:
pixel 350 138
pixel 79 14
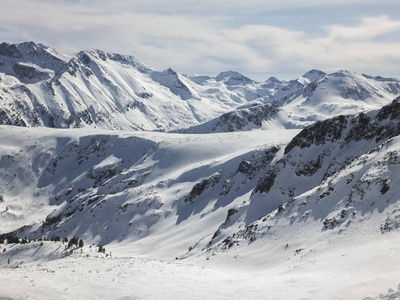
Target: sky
pixel 258 38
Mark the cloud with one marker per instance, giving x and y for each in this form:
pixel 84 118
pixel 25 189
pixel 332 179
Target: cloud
pixel 200 37
pixel 340 45
pixel 368 29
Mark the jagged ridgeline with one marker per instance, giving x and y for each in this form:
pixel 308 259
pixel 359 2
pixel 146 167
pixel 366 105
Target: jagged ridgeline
pixel 39 86
pixel 340 175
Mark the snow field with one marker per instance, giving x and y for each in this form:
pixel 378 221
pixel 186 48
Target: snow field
pixel 335 268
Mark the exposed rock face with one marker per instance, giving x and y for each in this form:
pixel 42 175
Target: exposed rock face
pixel 199 188
pixel 330 130
pixel 391 111
pixel 241 119
pixel 267 181
pixel 10 50
pixel 325 137
pixel 29 72
pixel 379 126
pixel 246 117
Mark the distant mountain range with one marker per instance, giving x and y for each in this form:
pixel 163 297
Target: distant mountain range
pixel 313 97
pixel 40 86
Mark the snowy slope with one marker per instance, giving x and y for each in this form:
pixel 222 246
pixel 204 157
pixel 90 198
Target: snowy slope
pixel 144 189
pixel 339 93
pixel 42 87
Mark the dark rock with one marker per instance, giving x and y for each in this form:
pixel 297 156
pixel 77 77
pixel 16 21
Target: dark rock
pixel 267 181
pixel 241 118
pixel 320 133
pixel 199 188
pixel 29 72
pixel 10 50
pixel 391 111
pixel 244 167
pixel 385 187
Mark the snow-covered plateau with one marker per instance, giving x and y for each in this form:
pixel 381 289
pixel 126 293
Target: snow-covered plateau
pixel 118 181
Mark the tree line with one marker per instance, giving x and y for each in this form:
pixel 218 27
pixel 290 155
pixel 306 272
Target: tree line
pixel 11 239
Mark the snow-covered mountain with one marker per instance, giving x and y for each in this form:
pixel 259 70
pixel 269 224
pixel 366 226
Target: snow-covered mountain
pixel 40 86
pixel 339 174
pixel 306 209
pixel 313 97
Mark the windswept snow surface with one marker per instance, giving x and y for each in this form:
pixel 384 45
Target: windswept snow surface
pixel 338 270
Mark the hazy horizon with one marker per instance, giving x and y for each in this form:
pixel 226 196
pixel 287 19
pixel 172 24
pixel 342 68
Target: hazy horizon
pixel 256 38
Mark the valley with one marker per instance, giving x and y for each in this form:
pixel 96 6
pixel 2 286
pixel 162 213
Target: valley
pixel 192 185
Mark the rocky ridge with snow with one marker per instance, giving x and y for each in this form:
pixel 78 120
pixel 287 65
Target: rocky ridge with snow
pixel 40 86
pixel 339 173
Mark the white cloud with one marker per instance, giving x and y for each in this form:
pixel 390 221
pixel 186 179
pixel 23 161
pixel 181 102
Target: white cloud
pixel 198 37
pixel 368 29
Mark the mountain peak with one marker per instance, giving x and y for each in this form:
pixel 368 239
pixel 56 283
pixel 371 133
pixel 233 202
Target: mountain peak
pixel 314 75
pixel 344 73
pixel 233 78
pixel 175 83
pixel 170 71
pixel 34 53
pixel 31 47
pixel 95 54
pixel 273 79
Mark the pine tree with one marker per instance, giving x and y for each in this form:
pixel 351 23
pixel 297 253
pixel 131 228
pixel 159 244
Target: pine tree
pixel 80 243
pixel 12 239
pixel 73 241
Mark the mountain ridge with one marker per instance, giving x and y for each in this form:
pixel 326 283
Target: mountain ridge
pixel 337 172
pixel 334 94
pixel 43 87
